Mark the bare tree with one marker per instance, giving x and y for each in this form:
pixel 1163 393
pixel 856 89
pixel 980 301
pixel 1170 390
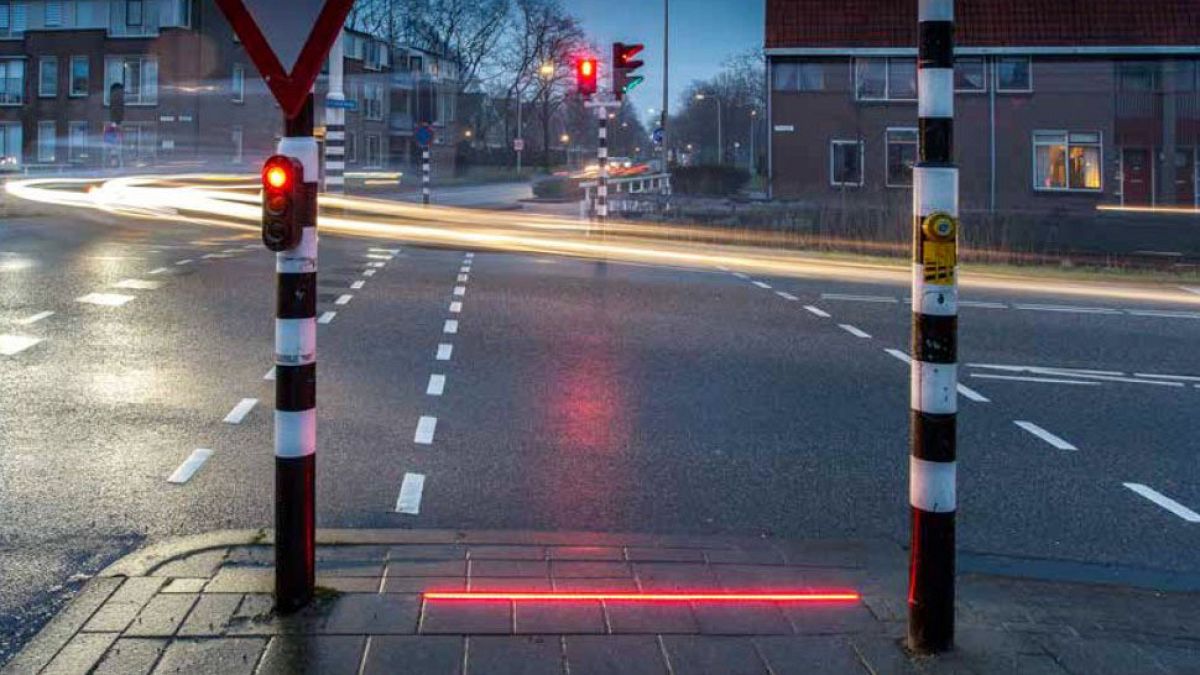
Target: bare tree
pixel 467 32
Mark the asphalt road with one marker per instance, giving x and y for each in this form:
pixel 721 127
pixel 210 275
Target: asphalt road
pixel 575 395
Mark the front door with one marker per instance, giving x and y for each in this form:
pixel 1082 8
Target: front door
pixel 1185 177
pixel 1135 169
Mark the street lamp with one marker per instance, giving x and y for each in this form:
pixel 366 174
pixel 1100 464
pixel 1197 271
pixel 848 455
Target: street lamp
pixel 720 125
pixel 547 70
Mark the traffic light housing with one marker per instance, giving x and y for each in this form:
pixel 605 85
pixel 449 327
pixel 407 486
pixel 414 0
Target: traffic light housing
pixel 625 66
pixel 284 205
pixel 587 74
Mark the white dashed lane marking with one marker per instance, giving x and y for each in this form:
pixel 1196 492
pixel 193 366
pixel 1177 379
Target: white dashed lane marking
pixel 787 296
pixel 377 265
pixel 816 311
pixel 240 411
pixel 856 332
pixel 426 427
pixel 186 261
pixel 190 466
pixel 30 320
pixel 1165 502
pixel 896 353
pixel 743 277
pixel 377 256
pixel 270 374
pixel 158 270
pixel 138 284
pixel 409 501
pixel 343 300
pixel 444 351
pixel 460 291
pixel 368 273
pixel 972 394
pixel 463 278
pixel 450 327
pixel 327 318
pixel 105 299
pixel 859 298
pixel 456 308
pixel 357 285
pixel 1045 435
pixel 392 251
pixel 11 345
pixel 763 285
pixel 1041 380
pixel 437 385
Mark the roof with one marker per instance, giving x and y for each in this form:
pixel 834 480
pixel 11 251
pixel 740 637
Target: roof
pixel 858 24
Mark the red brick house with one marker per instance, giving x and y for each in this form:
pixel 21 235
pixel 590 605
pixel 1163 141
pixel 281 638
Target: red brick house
pixel 1061 106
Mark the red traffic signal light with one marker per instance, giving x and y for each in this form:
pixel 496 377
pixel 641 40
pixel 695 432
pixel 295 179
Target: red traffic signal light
pixel 283 180
pixel 587 72
pixel 625 64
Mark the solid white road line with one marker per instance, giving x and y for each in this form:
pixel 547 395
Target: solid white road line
pixel 240 411
pixel 1045 435
pixel 1165 502
pixel 437 385
pixel 11 345
pixel 270 374
pixel 190 466
pixel 464 278
pixel 763 285
pixel 358 285
pixel 450 327
pixel 186 261
pixel 409 501
pixel 368 273
pixel 896 353
pixel 444 351
pixel 817 311
pixel 1067 309
pixel 1186 378
pixel 787 296
pixel 456 308
pixel 853 331
pixel 860 298
pixel 1043 380
pixel 972 394
pixel 327 318
pixel 981 305
pixel 29 321
pixel 158 270
pixel 460 291
pixel 105 299
pixel 1163 314
pixel 138 284
pixel 426 426
pixel 343 300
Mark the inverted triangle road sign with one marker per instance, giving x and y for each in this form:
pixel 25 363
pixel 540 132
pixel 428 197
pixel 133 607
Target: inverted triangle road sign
pixel 288 41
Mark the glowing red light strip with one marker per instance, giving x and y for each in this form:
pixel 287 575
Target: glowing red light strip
pixel 817 596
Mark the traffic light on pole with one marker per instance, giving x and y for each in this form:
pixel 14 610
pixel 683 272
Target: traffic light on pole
pixel 283 203
pixel 625 65
pixel 587 72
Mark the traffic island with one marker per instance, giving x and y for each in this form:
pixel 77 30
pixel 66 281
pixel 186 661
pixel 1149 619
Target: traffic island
pixel 494 602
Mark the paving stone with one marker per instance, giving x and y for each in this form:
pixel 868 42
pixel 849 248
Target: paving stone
pixel 690 655
pixel 184 585
pixel 1099 657
pixel 763 556
pixel 124 604
pixel 313 655
pixel 805 654
pixel 131 656
pixel 674 576
pixel 81 654
pixel 50 640
pixel 507 553
pixel 595 585
pixel 883 654
pixel 162 615
pixel 826 619
pixel 508 568
pixel 427 552
pixel 546 618
pixel 375 554
pixel 256 616
pixel 390 654
pixel 349 584
pixel 1175 660
pixel 251 556
pixel 514 584
pixel 361 614
pixel 524 655
pixel 637 554
pixel 760 577
pixel 432 568
pixel 650 618
pixel 210 615
pixel 593 569
pixel 464 618
pixel 743 618
pixel 242 580
pixel 614 655
pixel 200 565
pixel 227 656
pixel 586 553
pixel 422 584
pixel 350 568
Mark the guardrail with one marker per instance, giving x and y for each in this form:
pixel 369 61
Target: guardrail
pixel 659 183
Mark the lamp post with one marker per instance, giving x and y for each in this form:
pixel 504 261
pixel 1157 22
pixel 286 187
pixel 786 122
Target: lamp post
pixel 720 126
pixel 753 133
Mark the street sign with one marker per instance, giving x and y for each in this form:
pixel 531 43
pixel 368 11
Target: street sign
pixel 112 134
pixel 342 103
pixel 424 135
pixel 519 144
pixel 288 41
pixel 658 136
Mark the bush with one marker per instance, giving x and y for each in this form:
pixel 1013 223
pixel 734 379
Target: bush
pixel 708 181
pixel 558 187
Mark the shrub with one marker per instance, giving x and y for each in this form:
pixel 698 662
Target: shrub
pixel 558 187
pixel 709 181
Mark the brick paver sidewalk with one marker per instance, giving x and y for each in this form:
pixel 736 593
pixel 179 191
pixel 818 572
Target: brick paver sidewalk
pixel 203 605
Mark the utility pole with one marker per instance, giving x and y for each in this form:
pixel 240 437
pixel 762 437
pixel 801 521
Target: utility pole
pixel 602 157
pixel 934 386
pixel 335 120
pixel 666 84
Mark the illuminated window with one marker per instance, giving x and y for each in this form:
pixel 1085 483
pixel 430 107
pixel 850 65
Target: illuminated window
pixel 1067 161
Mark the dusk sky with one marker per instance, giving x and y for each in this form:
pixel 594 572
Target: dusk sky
pixel 704 33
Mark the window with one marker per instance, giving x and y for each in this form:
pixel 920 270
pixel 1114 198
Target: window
pixel 373 101
pixel 54 13
pixel 134 15
pixel 351 150
pixel 238 85
pixel 46 141
pixel 139 75
pixel 970 74
pixel 798 76
pixel 138 142
pixel 81 71
pixel 1067 161
pixel 77 141
pixel 11 138
pixel 239 142
pixel 846 163
pixel 885 79
pixel 175 14
pixel 48 76
pixel 1014 74
pixel 374 151
pixel 901 156
pixel 12 82
pixel 13 17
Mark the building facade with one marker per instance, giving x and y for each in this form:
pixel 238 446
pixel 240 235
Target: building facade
pixel 1060 106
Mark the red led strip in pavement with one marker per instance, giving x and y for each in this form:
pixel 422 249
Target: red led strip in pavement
pixel 812 596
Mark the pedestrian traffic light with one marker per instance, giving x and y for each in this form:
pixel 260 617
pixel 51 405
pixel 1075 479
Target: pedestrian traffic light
pixel 625 65
pixel 587 71
pixel 283 202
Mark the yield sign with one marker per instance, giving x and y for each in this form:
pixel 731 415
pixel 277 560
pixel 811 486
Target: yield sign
pixel 288 41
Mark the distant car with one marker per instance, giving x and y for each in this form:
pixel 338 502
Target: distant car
pixel 620 162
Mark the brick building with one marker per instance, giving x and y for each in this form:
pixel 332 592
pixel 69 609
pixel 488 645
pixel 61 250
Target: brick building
pixel 1061 106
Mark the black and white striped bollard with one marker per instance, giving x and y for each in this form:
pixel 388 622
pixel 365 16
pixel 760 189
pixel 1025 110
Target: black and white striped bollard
pixel 602 156
pixel 932 464
pixel 425 176
pixel 296 384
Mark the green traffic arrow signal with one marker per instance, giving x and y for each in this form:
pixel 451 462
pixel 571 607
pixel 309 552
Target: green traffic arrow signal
pixel 632 83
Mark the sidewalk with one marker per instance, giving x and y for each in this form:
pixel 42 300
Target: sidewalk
pixel 203 605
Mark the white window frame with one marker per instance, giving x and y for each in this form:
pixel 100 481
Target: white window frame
pixel 887 79
pixel 987 80
pixel 1003 90
pixel 378 161
pixel 238 83
pixel 76 153
pixel 862 155
pixel 238 138
pixel 5 151
pixel 143 60
pixel 21 87
pixel 43 61
pixel 40 142
pixel 71 76
pixel 1067 146
pixel 887 143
